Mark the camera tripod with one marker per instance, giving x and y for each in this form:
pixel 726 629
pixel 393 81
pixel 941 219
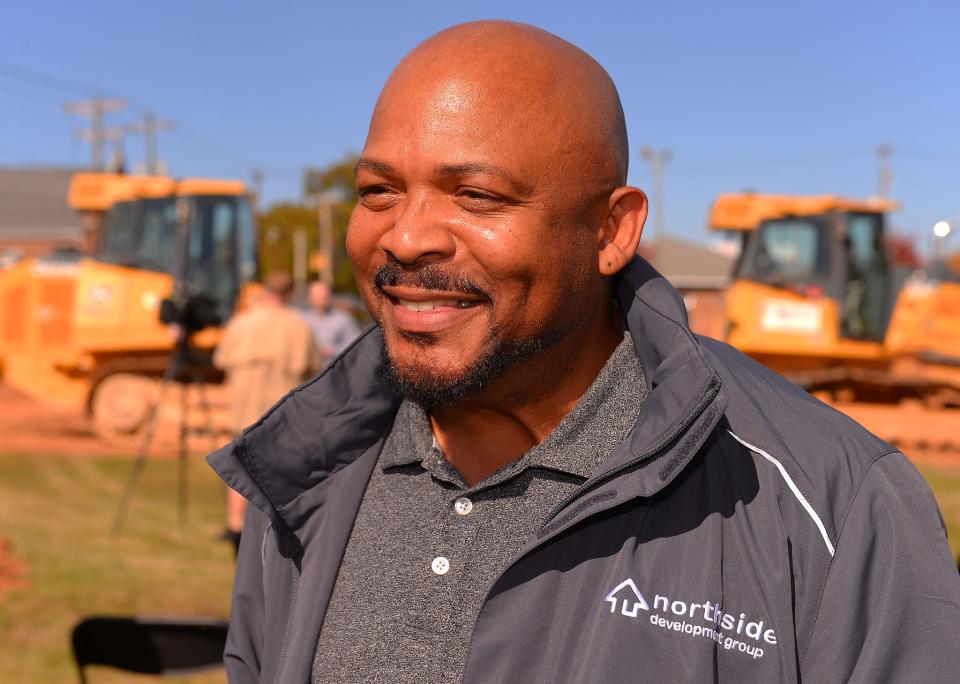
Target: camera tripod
pixel 184 368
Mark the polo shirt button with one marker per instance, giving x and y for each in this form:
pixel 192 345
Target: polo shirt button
pixel 463 506
pixel 440 565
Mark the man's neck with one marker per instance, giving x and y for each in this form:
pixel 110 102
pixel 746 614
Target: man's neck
pixel 481 434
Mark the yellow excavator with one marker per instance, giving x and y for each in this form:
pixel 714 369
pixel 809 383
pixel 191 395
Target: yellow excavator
pixel 816 297
pixel 84 330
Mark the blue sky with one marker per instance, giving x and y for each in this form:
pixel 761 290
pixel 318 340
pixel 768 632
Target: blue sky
pixel 770 96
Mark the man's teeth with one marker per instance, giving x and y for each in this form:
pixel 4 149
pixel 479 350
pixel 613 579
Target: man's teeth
pixel 434 304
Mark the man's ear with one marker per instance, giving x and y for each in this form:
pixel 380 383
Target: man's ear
pixel 620 234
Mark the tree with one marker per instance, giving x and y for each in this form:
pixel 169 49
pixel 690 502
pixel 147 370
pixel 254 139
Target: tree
pixel 339 176
pixel 280 222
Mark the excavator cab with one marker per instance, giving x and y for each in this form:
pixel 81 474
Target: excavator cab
pixel 815 297
pixel 839 254
pixel 214 253
pixel 812 287
pixel 202 234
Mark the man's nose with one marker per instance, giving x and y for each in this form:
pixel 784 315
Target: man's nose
pixel 419 234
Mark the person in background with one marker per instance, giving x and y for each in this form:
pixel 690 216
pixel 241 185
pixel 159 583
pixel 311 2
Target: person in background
pixel 265 351
pixel 333 328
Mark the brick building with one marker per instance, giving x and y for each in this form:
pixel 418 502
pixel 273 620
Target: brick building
pixel 34 215
pixel 699 273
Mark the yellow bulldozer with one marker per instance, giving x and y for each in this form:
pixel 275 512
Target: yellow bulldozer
pixel 816 297
pixel 84 331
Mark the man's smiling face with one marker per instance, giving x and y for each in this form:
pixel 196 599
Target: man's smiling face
pixel 475 238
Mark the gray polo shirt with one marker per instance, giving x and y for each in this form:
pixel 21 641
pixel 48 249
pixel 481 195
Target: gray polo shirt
pixel 426 547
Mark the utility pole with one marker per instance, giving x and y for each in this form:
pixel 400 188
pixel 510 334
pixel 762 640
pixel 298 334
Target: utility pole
pixel 97 134
pixel 325 202
pixel 885 171
pixel 256 180
pixel 300 258
pixel 149 128
pixel 657 159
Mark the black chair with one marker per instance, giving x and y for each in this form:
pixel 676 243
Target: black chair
pixel 149 645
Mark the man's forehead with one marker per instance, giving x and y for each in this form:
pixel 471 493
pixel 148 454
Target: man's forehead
pixel 455 103
pixel 451 125
pixel 506 95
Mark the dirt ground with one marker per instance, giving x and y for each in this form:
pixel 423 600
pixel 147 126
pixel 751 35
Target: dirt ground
pixel 922 434
pixel 29 427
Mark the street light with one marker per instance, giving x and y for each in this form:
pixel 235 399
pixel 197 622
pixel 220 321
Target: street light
pixel 941 231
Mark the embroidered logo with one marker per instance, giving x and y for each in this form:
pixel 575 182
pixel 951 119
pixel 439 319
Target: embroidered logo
pixel 706 619
pixel 633 600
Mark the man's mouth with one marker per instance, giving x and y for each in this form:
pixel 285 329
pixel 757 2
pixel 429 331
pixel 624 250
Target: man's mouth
pixel 417 311
pixel 431 304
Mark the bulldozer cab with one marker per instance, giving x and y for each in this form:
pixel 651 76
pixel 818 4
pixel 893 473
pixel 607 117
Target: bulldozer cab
pixel 213 253
pixel 200 232
pixel 839 255
pixel 816 248
pixel 817 297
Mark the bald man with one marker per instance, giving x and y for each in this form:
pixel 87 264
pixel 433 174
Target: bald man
pixel 530 469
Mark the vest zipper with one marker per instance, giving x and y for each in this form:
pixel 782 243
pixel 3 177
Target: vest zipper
pixel 713 388
pixel 294 590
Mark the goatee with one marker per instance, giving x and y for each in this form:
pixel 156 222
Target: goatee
pixel 422 384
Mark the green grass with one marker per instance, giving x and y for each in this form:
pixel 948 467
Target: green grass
pixel 945 482
pixel 57 511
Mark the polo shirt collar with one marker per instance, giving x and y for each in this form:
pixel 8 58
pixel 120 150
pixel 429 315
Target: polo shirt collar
pixel 601 419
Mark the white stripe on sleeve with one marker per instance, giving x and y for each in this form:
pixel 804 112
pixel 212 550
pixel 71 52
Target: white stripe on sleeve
pixel 793 488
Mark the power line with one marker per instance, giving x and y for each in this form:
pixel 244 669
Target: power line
pixel 190 134
pixel 62 85
pixel 806 157
pixel 97 135
pixel 938 156
pixel 25 92
pixel 57 83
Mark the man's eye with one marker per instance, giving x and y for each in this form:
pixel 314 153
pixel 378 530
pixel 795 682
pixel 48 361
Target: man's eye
pixel 376 196
pixel 478 200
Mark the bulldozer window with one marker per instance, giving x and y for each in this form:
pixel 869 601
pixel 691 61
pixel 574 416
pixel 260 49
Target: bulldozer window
pixel 788 252
pixel 157 236
pixel 865 303
pixel 220 249
pixel 213 259
pixel 140 234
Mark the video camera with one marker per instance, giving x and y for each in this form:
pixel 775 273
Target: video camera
pixel 192 312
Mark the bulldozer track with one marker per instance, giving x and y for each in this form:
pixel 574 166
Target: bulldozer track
pixel 919 431
pixel 124 391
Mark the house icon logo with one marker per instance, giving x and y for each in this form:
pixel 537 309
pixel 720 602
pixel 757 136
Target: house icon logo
pixel 631 597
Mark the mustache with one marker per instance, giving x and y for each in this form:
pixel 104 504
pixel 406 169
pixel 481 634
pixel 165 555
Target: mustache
pixel 429 277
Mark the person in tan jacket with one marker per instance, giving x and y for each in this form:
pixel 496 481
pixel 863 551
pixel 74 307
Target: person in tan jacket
pixel 265 351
